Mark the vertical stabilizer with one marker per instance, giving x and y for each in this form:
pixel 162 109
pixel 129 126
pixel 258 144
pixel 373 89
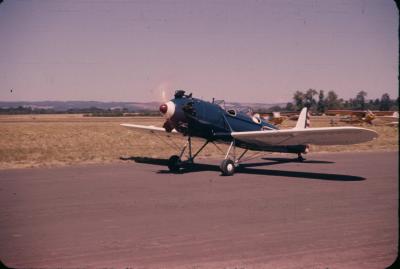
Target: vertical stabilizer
pixel 303 121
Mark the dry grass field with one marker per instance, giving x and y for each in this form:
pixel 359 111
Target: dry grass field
pixel 54 140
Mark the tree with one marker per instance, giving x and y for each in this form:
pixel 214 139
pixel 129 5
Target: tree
pixel 298 98
pixel 332 101
pixel 377 103
pixel 371 105
pixel 385 102
pixel 346 105
pixel 309 98
pixel 353 103
pixel 275 109
pixel 290 107
pixel 340 103
pixel 360 100
pixel 321 102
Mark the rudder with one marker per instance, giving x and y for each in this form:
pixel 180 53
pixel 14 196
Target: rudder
pixel 304 119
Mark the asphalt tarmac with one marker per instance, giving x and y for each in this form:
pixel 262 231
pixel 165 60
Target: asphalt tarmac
pixel 335 210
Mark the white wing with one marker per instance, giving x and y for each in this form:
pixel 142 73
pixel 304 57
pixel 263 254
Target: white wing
pixel 157 131
pixel 170 139
pixel 316 136
pixel 148 128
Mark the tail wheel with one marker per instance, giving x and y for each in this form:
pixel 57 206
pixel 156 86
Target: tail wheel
pixel 300 158
pixel 227 167
pixel 174 163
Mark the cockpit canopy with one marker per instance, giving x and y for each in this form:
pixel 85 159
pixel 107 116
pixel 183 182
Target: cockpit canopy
pixel 233 109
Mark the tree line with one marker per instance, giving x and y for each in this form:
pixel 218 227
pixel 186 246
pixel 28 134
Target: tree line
pixel 319 102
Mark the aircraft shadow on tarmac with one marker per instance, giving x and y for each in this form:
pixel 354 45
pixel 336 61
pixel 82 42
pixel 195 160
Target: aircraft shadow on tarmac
pixel 290 160
pixel 248 168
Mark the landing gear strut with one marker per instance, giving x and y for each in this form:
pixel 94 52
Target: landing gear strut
pixel 228 165
pixel 175 162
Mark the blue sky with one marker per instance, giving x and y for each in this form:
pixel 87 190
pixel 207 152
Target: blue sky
pixel 250 51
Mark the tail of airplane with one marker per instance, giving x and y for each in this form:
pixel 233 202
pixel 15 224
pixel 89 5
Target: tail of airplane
pixel 304 119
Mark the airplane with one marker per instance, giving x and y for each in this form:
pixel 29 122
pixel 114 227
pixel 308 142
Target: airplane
pixel 353 116
pixel 390 120
pixel 368 116
pixel 278 117
pixel 212 122
pixel 274 117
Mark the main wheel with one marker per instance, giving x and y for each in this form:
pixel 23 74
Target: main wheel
pixel 174 163
pixel 227 167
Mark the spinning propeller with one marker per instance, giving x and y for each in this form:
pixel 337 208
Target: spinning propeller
pixel 167 110
pixel 175 111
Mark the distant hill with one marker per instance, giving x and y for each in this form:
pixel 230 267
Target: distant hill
pixel 63 106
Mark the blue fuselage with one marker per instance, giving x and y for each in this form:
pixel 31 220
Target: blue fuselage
pixel 200 118
pixel 210 121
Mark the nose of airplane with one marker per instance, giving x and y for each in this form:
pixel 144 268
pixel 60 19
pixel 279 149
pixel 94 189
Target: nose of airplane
pixel 168 109
pixel 163 108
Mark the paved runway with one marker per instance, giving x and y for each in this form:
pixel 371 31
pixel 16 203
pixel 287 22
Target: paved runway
pixel 333 211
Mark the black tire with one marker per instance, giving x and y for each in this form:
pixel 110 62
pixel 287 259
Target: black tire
pixel 174 163
pixel 227 167
pixel 301 159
